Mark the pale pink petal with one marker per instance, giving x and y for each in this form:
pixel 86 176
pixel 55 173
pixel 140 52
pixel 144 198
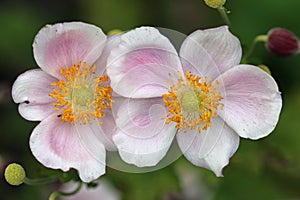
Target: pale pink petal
pixel 252 102
pixel 210 52
pixel 210 149
pixel 36 112
pixel 65 44
pixel 143 138
pixel 33 86
pixel 105 131
pixel 140 66
pixel 112 42
pixel 61 145
pixel 31 90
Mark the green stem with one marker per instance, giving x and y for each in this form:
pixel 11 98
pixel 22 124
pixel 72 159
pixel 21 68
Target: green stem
pixel 223 12
pixel 259 38
pixel 56 194
pixel 40 181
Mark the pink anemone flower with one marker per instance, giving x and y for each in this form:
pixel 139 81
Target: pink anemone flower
pixel 70 96
pixel 203 96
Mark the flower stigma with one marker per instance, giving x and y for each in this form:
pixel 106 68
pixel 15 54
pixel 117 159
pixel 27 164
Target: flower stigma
pixel 80 96
pixel 192 103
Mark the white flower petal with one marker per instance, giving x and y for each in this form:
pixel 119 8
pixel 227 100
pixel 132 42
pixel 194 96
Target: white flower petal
pixel 61 145
pixel 112 42
pixel 65 44
pixel 36 112
pixel 33 86
pixel 143 138
pixel 210 149
pixel 252 102
pixel 104 132
pixel 210 52
pixel 31 90
pixel 140 66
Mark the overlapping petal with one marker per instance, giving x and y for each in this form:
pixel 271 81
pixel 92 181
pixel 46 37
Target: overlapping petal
pixel 105 131
pixel 61 145
pixel 36 112
pixel 210 52
pixel 210 149
pixel 141 64
pixel 112 42
pixel 252 102
pixel 66 44
pixel 143 137
pixel 31 90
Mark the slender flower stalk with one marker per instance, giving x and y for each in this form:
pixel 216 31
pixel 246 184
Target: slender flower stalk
pixel 224 14
pixel 41 181
pixel 257 39
pixel 219 5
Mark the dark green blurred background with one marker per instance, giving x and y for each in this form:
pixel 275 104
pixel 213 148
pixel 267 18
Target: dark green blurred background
pixel 264 169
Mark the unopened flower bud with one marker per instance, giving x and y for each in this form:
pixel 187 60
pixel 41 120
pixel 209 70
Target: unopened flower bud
pixel 14 174
pixel 215 3
pixel 282 42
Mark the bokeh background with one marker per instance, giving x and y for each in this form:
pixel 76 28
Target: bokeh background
pixel 265 169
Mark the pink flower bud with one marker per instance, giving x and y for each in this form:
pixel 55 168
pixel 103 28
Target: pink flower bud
pixel 282 42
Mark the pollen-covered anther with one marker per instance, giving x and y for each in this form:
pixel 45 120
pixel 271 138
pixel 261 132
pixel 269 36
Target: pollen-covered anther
pixel 80 96
pixel 192 103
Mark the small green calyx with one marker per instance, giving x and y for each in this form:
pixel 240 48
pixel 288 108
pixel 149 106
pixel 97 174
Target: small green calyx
pixel 14 174
pixel 190 101
pixel 215 3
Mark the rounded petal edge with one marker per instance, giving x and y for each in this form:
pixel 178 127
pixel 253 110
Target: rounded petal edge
pixel 210 149
pixel 57 145
pixel 31 89
pixel 143 138
pixel 252 101
pixel 65 44
pixel 210 52
pixel 141 64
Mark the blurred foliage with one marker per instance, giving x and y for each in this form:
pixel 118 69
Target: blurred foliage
pixel 264 169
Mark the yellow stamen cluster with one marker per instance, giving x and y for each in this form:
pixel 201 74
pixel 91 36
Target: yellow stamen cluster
pixel 80 96
pixel 191 103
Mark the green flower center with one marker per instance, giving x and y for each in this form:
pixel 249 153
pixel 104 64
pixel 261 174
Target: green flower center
pixel 83 95
pixel 190 101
